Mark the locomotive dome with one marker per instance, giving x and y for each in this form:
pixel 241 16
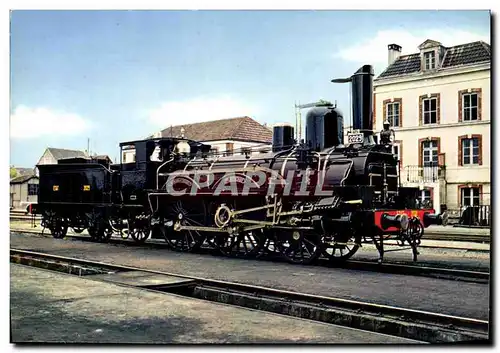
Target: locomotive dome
pixel 324 127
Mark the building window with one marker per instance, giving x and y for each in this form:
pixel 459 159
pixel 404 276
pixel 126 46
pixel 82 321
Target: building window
pixel 32 189
pixel 393 114
pixel 429 110
pixel 470 151
pixel 470 106
pixel 430 60
pixel 426 198
pixel 470 196
pixel 430 153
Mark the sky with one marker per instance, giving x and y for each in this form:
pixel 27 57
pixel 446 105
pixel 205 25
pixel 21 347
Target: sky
pixel 114 76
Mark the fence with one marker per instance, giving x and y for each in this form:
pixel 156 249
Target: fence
pixel 471 216
pixel 430 173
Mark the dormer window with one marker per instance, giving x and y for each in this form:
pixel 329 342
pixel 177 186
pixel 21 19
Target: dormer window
pixel 430 60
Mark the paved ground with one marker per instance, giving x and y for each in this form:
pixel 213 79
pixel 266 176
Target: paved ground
pixel 421 293
pixel 49 307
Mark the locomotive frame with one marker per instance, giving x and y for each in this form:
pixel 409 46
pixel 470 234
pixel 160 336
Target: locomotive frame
pixel 300 201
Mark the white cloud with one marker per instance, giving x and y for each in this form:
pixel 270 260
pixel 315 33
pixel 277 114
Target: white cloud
pixel 26 123
pixel 374 50
pixel 198 110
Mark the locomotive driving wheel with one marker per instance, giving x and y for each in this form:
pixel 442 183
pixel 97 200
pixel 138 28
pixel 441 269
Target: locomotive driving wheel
pixel 339 247
pixel 298 246
pixel 234 241
pixel 185 213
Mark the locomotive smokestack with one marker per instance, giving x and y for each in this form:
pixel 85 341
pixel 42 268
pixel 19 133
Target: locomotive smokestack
pixel 362 104
pixel 362 99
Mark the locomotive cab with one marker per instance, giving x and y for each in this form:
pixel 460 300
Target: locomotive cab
pixel 144 161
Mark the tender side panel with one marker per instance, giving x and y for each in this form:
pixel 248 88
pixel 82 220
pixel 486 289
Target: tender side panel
pixel 74 184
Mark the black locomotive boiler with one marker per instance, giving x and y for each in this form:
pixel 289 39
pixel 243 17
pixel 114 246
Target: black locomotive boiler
pixel 300 200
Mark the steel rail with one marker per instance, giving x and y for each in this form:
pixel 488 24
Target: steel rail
pixel 427 236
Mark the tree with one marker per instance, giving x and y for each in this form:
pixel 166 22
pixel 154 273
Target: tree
pixel 13 172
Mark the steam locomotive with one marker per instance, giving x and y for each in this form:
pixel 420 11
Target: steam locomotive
pixel 300 200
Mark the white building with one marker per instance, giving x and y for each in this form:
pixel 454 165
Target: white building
pixel 226 136
pixel 438 103
pixel 23 192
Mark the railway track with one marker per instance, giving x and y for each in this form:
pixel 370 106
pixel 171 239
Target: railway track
pixel 414 324
pixel 476 238
pixel 360 265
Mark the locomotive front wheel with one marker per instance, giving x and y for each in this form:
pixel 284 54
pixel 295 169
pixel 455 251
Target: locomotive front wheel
pixel 339 249
pixel 298 246
pixel 185 213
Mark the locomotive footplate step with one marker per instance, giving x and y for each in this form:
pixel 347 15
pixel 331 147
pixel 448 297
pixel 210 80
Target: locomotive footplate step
pixel 145 279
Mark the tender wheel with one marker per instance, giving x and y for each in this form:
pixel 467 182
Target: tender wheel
pixel 185 213
pixel 98 228
pixel 78 230
pixel 298 246
pixel 58 227
pixel 339 248
pixel 78 224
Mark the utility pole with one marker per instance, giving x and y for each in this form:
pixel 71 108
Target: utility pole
pixel 88 146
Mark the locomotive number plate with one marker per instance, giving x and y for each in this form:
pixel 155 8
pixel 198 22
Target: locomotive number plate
pixel 355 138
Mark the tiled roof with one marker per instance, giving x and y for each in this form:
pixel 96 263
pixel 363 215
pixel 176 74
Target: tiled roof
pixel 101 156
pixel 60 153
pixel 22 179
pixel 463 54
pixel 242 128
pixel 24 171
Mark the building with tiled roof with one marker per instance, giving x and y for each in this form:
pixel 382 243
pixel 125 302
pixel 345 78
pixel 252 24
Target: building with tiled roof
pixel 437 101
pixel 226 135
pixel 23 192
pixel 52 155
pixel 438 59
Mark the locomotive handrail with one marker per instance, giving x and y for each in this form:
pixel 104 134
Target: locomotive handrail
pixel 286 161
pixel 187 164
pixel 158 172
pixel 215 161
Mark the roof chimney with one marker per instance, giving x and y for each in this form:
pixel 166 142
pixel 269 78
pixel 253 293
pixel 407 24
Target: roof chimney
pixel 394 53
